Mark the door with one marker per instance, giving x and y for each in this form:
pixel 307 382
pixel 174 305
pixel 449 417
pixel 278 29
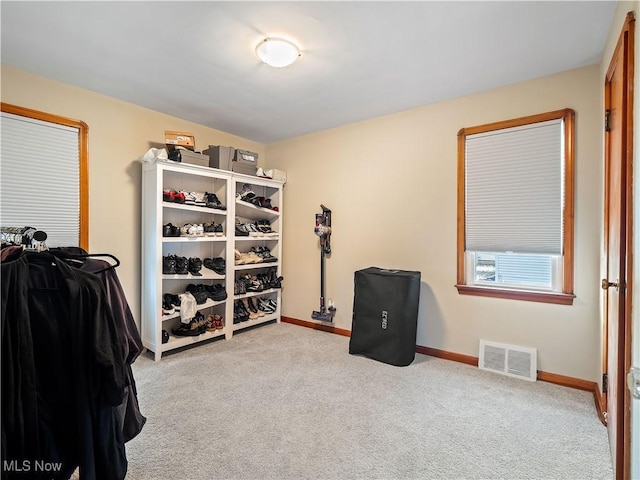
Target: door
pixel 617 236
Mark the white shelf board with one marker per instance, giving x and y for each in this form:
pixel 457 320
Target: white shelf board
pixel 209 303
pixel 251 266
pixel 192 208
pixel 194 238
pixel 177 342
pixel 257 321
pixel 263 237
pixel 247 210
pixel 256 294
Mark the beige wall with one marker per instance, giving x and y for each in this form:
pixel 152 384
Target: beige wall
pixel 391 183
pixel 119 133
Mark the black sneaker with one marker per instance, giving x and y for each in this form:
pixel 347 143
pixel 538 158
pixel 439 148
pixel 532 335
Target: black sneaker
pixel 192 329
pixel 243 314
pixel 216 292
pixel 213 202
pixel 182 265
pixel 240 231
pixel 246 193
pixel 170 230
pixel 171 300
pixel 216 264
pixel 195 265
pixel 209 229
pixel 198 292
pixel 169 265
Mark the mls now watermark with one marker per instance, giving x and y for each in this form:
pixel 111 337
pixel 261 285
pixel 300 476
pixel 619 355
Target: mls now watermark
pixel 18 466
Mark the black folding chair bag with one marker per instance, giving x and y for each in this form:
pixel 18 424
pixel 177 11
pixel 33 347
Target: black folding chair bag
pixel 385 315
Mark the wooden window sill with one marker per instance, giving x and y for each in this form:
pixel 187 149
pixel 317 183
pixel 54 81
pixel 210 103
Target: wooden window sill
pixel 526 295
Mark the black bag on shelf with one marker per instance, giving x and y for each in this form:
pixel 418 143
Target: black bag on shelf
pixel 385 315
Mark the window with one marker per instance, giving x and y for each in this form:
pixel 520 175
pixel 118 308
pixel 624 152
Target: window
pixel 44 175
pixel 515 208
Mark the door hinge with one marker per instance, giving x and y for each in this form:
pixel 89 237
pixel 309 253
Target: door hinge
pixel 605 383
pixel 607 120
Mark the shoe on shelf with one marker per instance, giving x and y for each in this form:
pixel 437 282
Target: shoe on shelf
pixel 167 308
pixel 200 199
pixel 264 253
pixel 168 196
pixel 246 193
pixel 254 230
pixel 191 329
pixel 254 284
pixel 252 257
pixel 243 313
pixel 213 230
pixel 252 315
pixel 266 306
pixel 184 230
pixel 213 201
pixel 198 292
pixel 195 265
pixel 239 259
pixel 264 173
pixel 240 231
pixel 182 265
pixel 173 300
pixel 169 265
pixel 192 230
pixel 217 264
pixel 209 229
pixel 189 197
pixel 255 308
pixel 216 292
pixel 239 286
pixel 209 325
pixel 178 197
pixel 170 230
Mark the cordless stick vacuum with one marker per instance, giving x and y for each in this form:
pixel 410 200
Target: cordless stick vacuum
pixel 323 230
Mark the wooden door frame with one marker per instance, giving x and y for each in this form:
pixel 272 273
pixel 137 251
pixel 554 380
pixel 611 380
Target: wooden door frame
pixel 622 462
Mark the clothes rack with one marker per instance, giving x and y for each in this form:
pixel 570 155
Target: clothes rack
pixel 68 341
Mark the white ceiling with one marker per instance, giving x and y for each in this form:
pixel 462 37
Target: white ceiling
pixel 196 60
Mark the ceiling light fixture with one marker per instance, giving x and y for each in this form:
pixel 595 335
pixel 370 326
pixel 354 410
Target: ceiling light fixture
pixel 277 52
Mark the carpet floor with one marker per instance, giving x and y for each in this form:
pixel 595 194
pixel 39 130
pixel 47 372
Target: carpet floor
pixel 286 402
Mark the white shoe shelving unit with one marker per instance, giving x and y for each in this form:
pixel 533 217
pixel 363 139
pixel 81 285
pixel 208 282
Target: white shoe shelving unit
pixel 156 213
pixel 246 212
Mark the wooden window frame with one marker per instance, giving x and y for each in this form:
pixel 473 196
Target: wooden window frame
pixel 83 135
pixel 566 296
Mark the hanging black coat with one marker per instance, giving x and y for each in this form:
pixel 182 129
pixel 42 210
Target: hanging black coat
pixel 63 372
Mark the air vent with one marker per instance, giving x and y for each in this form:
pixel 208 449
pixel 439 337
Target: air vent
pixel 511 360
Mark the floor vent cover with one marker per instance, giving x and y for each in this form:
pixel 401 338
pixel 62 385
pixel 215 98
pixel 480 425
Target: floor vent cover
pixel 511 360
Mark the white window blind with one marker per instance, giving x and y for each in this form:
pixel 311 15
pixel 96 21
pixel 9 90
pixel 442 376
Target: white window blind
pixel 514 189
pixel 39 178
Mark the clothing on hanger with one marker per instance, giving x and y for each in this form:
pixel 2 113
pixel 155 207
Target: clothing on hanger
pixel 68 394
